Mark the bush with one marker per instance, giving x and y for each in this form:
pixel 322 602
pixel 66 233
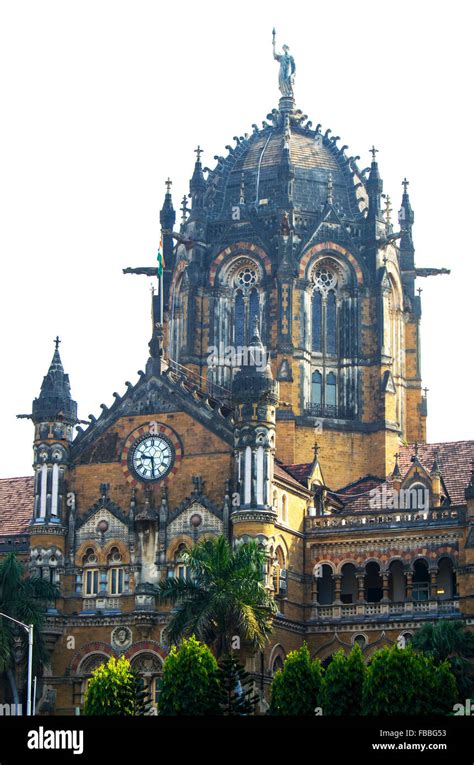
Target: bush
pixel 190 681
pixel 296 689
pixel 400 681
pixel 114 689
pixel 343 683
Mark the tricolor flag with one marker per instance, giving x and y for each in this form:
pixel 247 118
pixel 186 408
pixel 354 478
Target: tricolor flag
pixel 160 259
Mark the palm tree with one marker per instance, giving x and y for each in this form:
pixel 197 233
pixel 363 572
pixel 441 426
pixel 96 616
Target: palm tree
pixel 452 641
pixel 24 598
pixel 223 597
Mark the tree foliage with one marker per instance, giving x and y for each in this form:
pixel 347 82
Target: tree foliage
pixel 238 695
pixel 115 689
pixel 296 689
pixel 343 682
pixel 450 641
pixel 24 598
pixel 400 681
pixel 190 683
pixel 224 597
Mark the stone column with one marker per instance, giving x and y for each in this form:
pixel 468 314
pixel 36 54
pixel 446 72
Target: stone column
pixel 385 586
pixel 361 587
pixel 409 585
pixel 337 579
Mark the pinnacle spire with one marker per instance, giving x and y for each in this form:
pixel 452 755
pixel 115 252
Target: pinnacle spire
pixel 167 213
pixel 54 400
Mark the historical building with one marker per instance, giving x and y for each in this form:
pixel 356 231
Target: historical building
pixel 281 400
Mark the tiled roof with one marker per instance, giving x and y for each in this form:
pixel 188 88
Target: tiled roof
pixel 281 471
pixel 16 504
pixel 300 471
pixel 454 460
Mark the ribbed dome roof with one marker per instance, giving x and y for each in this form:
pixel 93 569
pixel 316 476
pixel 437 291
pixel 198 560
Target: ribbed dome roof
pixel 258 167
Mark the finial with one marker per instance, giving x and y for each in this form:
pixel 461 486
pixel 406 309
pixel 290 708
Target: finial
pixel 419 290
pixel 396 470
pixel 184 209
pixel 316 449
pixel 168 184
pixel 56 342
pixel 405 183
pixel 388 210
pixel 373 151
pixel 330 199
pixel 425 391
pixel 198 153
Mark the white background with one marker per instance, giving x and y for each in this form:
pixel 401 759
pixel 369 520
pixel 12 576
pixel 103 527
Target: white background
pixel 101 101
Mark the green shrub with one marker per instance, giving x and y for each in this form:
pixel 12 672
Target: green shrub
pixel 296 689
pixel 343 683
pixel 114 689
pixel 190 681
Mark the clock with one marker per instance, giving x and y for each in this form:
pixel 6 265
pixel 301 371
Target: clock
pixel 151 453
pixel 152 457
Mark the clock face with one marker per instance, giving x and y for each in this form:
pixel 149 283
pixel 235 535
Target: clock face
pixel 152 457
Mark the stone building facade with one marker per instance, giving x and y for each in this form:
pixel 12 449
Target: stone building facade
pixel 281 401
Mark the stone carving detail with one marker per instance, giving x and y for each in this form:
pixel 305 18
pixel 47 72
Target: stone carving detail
pixel 121 638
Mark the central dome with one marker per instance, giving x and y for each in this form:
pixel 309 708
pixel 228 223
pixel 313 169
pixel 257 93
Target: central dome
pixel 258 169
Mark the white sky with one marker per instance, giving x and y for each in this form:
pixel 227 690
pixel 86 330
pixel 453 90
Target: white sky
pixel 101 101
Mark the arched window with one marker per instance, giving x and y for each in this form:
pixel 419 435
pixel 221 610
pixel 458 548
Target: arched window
pixel 239 319
pixel 316 387
pixel 150 669
pixel 181 570
pixel 284 509
pixel 323 314
pixel 116 573
pixel 246 302
pixel 331 389
pixel 91 574
pixel 361 641
pixel 277 664
pixel 331 324
pixel 316 321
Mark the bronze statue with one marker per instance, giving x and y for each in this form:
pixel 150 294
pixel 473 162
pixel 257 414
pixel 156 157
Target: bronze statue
pixel 286 77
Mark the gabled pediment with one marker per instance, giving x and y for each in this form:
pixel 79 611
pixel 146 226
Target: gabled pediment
pixel 151 396
pixel 195 515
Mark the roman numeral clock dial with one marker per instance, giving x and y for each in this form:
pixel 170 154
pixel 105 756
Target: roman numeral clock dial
pixel 151 456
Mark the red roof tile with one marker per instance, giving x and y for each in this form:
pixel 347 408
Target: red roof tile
pixel 300 471
pixel 281 471
pixel 454 460
pixel 16 504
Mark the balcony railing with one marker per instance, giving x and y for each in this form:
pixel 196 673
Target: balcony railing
pixel 383 518
pixel 406 609
pixel 330 411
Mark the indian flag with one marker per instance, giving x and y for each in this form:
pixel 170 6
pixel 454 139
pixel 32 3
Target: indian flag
pixel 160 259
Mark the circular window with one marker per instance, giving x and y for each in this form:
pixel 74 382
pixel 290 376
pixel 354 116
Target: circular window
pixel 325 279
pixel 246 277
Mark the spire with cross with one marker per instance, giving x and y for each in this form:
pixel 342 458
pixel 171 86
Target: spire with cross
pixel 56 342
pixel 198 151
pixel 373 151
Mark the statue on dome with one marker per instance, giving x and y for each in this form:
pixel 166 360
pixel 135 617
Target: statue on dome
pixel 286 77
